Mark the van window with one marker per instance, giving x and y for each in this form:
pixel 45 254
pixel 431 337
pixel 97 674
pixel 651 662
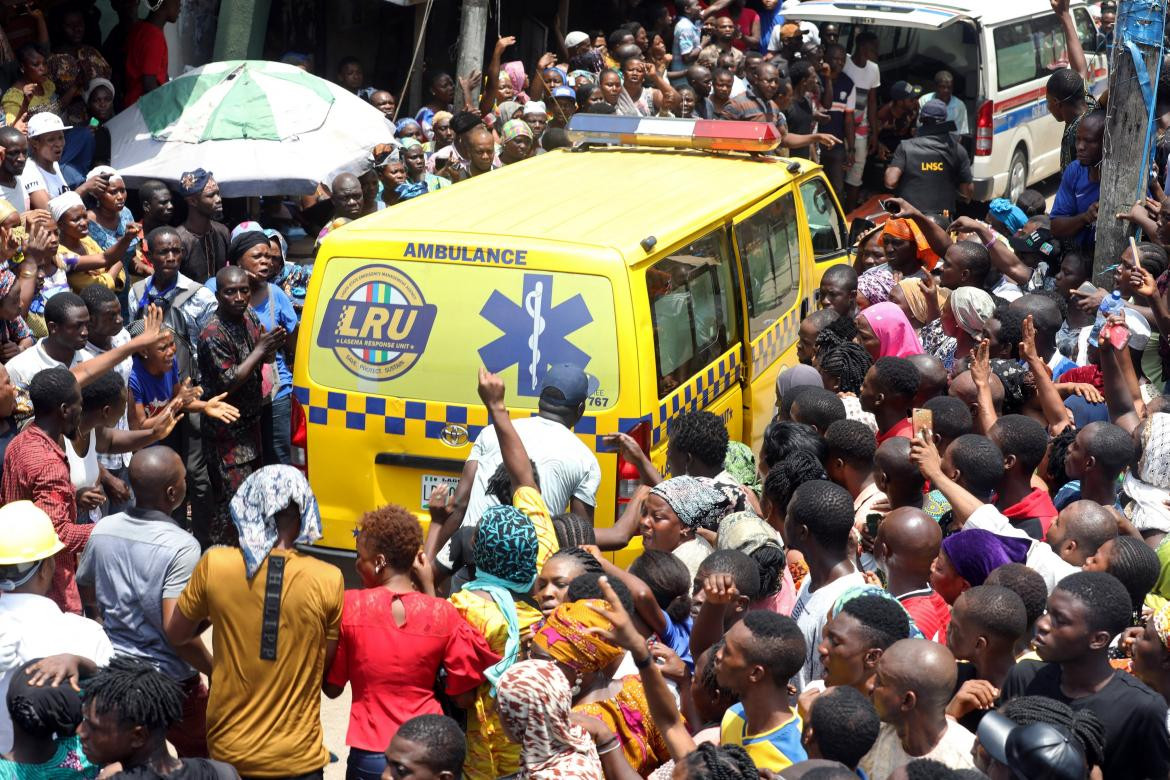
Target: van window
pixel 1086 30
pixel 1029 49
pixel 825 222
pixel 692 304
pixel 769 249
pixel 418 331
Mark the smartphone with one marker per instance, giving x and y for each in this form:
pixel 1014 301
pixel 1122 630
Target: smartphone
pixel 923 420
pixel 890 206
pixel 1087 288
pixel 872 521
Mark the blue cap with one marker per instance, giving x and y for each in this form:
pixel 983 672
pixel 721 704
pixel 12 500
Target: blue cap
pixel 565 92
pixel 569 381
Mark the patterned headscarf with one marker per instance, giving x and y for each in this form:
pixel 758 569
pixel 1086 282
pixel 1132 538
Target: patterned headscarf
pixel 254 507
pixel 566 637
pixel 1161 623
pixel 193 182
pixel 534 703
pixel 589 76
pixel 1149 487
pixel 740 463
pixel 505 111
pixel 402 124
pixel 513 128
pixel 746 532
pixel 697 503
pixel 505 547
pixel 971 308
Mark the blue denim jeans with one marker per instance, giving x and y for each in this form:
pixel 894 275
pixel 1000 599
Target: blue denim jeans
pixel 364 765
pixel 276 430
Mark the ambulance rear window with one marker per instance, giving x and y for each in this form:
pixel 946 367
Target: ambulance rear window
pixel 420 330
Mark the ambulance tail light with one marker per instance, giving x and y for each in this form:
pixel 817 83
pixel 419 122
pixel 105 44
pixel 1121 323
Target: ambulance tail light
pixel 717 135
pixel 984 128
pixel 300 436
pixel 627 473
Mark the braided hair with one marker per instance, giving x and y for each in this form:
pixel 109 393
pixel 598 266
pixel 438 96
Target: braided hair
pixel 582 558
pixel 1057 452
pixel 572 530
pixel 848 364
pixel 139 694
pixel 1084 726
pixel 1136 565
pixel 720 762
pixel 839 331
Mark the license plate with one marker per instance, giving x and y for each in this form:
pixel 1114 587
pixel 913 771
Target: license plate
pixel 432 481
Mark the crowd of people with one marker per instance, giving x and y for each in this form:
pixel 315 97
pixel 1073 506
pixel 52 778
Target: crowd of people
pixel 947 559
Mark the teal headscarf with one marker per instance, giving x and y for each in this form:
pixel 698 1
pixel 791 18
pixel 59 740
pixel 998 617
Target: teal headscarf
pixel 505 565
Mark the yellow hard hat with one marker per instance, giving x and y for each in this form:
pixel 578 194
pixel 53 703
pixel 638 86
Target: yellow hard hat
pixel 26 534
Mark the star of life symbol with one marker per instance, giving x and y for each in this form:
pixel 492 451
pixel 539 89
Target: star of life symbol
pixel 534 332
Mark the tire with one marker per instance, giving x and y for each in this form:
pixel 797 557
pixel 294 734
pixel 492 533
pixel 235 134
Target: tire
pixel 1017 174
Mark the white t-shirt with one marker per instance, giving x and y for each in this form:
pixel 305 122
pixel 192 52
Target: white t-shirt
pixel 17 195
pixel 26 365
pixel 568 469
pixel 811 612
pixel 953 750
pixel 35 627
pixel 37 178
pixel 1041 558
pixel 864 79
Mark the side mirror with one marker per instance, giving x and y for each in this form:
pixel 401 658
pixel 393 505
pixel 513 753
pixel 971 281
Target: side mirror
pixel 856 228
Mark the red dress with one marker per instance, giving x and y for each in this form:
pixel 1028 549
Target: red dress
pixel 392 668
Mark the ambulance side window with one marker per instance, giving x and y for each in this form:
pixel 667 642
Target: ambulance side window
pixel 769 249
pixel 692 306
pixel 825 223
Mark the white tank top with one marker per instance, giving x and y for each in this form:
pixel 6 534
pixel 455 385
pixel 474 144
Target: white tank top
pixel 83 469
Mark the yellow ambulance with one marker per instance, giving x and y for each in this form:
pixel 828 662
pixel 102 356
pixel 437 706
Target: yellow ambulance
pixel 665 256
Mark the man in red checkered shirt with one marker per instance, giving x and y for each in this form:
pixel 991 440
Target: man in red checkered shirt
pixel 35 468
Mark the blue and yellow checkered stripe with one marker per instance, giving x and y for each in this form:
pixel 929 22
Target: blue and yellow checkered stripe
pixel 775 341
pixel 427 419
pixel 698 393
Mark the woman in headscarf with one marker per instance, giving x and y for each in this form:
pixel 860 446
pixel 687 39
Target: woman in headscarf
pixel 674 512
pixel 921 305
pixel 45 745
pixel 506 112
pixel 798 375
pixel 517 79
pixel 884 331
pixel 418 180
pixel 868 251
pixel 748 533
pixel 494 603
pixel 408 128
pixel 85 261
pixel 1151 652
pixel 1148 486
pixel 966 558
pixel 586 659
pixel 963 318
pixel 534 707
pixel 907 253
pixel 259 674
pixel 427 633
pixel 441 133
pixel 638 99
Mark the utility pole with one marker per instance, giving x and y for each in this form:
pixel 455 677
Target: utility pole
pixel 473 21
pixel 1133 81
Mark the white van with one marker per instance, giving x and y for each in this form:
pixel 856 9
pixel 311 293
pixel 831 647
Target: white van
pixel 1001 53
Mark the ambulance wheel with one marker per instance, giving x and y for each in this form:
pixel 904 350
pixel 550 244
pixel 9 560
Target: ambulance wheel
pixel 1017 174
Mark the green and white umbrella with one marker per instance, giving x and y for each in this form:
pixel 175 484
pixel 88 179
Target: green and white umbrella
pixel 261 128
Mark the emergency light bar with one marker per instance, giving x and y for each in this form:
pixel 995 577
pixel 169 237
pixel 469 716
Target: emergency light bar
pixel 721 135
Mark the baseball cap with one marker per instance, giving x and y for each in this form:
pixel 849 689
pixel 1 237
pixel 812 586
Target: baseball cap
pixel 568 380
pixel 564 92
pixel 46 122
pixel 575 38
pixel 1038 242
pixel 904 89
pixel 933 111
pixel 1032 750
